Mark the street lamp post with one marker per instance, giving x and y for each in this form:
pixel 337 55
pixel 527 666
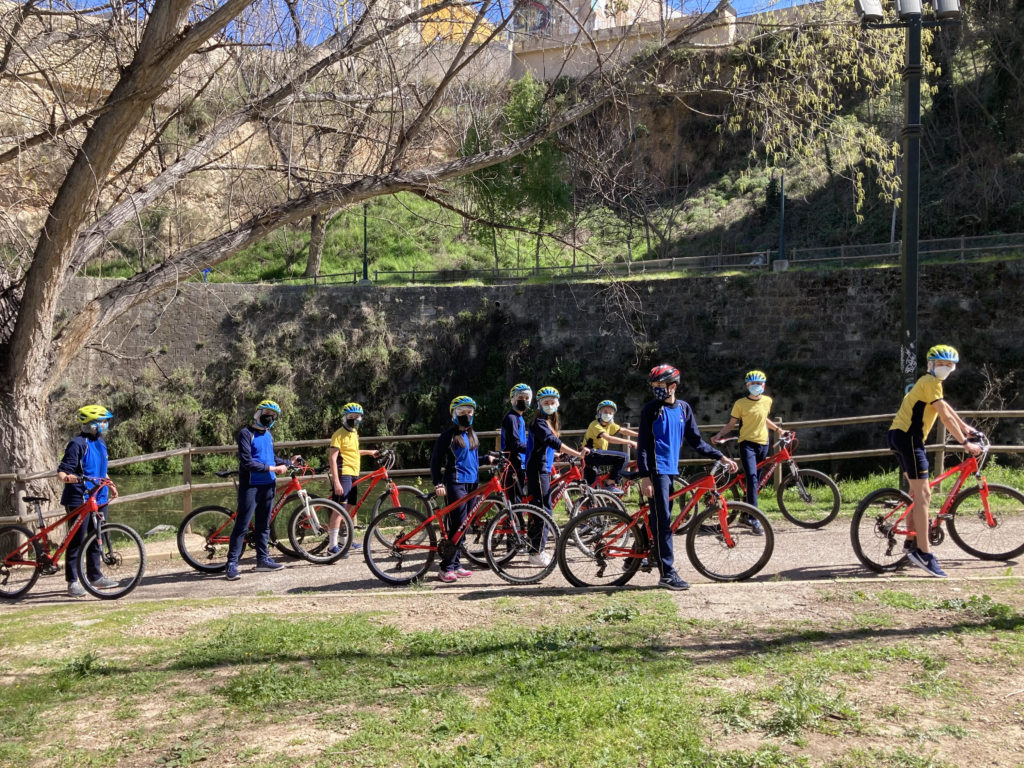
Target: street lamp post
pixel 366 265
pixel 910 18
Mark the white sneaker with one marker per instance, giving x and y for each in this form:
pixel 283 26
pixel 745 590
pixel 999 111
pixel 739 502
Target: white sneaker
pixel 543 559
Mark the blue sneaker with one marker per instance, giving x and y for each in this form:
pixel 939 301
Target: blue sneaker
pixel 268 565
pixel 231 574
pixel 754 524
pixel 672 581
pixel 334 550
pixel 355 546
pixel 926 562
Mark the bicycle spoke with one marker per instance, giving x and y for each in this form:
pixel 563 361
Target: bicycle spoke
pixel 876 532
pixel 601 548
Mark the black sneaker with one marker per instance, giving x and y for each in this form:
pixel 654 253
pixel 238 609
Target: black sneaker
pixel 672 581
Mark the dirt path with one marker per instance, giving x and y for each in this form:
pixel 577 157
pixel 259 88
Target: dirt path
pixel 804 562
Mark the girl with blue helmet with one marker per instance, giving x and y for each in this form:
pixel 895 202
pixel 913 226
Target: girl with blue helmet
pixel 543 443
pixel 513 438
pixel 907 435
pixel 454 470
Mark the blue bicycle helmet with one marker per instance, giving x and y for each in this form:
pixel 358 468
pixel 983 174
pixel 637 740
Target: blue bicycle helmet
pixel 607 404
pixel 754 375
pixel 944 352
pixel 548 392
pixel 520 389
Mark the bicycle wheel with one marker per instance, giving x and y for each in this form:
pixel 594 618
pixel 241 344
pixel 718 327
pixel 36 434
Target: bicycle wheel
pixel 408 496
pixel 474 540
pixel 601 548
pixel 19 570
pixel 520 544
pixel 391 554
pixel 711 553
pixel 874 541
pixel 809 498
pixel 122 560
pixel 969 527
pixel 571 500
pixel 308 525
pixel 204 536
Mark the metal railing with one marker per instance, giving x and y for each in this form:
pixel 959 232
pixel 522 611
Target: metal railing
pixel 948 248
pixel 187 486
pixel 928 250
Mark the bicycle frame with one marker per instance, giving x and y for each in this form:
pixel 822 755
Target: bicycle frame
pixel 969 466
pixel 492 486
pixel 784 455
pixel 700 488
pixel 281 495
pixel 88 507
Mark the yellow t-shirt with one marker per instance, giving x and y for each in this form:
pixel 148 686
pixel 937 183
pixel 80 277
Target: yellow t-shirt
pixel 917 415
pixel 593 432
pixel 347 443
pixel 753 416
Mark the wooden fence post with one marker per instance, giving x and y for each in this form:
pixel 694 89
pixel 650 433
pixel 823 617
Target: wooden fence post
pixel 777 472
pixel 19 493
pixel 186 478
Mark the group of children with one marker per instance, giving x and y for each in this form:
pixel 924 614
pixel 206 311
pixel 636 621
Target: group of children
pixel 666 422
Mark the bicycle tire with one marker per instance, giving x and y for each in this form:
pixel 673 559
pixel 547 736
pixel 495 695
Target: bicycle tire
pixel 123 556
pixel 509 549
pixel 874 543
pixel 16 580
pixel 308 530
pixel 711 554
pixel 968 525
pixel 593 545
pixel 408 496
pixel 204 536
pixel 813 502
pixel 392 565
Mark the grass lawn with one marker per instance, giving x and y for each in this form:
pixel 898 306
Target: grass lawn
pixel 859 674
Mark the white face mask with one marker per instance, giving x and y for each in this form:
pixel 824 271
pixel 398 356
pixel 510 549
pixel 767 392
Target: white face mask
pixel 606 418
pixel 756 389
pixel 941 372
pixel 549 408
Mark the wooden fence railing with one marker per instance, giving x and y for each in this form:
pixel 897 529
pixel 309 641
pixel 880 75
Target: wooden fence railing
pixel 187 486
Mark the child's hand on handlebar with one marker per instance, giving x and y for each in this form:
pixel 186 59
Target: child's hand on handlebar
pixel 440 490
pixel 730 464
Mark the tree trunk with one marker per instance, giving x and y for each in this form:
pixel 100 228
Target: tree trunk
pixel 317 230
pixel 26 446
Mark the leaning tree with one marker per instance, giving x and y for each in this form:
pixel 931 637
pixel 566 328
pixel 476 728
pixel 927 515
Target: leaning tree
pixel 275 111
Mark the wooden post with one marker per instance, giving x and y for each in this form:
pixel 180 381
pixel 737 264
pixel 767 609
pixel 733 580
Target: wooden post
pixel 777 472
pixel 940 455
pixel 186 478
pixel 19 494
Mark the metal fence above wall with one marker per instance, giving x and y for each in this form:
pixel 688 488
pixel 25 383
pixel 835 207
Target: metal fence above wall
pixel 962 248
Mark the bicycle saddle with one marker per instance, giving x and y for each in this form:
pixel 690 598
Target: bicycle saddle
pixel 627 474
pixel 33 499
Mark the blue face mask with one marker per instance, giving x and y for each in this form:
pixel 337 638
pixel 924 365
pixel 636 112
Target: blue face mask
pixel 661 393
pixel 756 389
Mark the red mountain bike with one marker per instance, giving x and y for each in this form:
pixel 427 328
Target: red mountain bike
pixel 205 533
pixel 986 521
pixel 122 554
pixel 604 547
pixel 806 497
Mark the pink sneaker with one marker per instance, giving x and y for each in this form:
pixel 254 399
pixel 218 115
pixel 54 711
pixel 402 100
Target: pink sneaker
pixel 448 577
pixel 463 573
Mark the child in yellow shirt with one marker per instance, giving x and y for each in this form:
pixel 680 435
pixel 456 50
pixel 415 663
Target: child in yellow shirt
pixel 343 464
pixel 750 413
